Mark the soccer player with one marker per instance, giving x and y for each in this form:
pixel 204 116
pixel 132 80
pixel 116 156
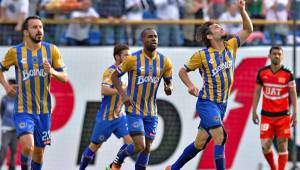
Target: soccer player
pixel 145 68
pixel 109 117
pixel 216 67
pixel 35 62
pixel 278 84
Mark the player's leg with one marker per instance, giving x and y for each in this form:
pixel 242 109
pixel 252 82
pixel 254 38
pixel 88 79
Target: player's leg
pixel 219 136
pixel 101 132
pixel 24 124
pixel 13 148
pixel 202 139
pixel 266 136
pixel 42 138
pixel 136 130
pixel 283 132
pixel 150 126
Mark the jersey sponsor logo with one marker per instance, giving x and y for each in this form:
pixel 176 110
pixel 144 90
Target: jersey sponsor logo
pixel 32 73
pixel 281 79
pixel 147 79
pixel 273 91
pixel 223 66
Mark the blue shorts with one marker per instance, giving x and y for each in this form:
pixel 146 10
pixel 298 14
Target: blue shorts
pixel 104 128
pixel 146 125
pixel 37 124
pixel 211 113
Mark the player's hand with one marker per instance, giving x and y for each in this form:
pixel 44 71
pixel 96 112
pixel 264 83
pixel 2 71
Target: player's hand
pixel 47 67
pixel 241 4
pixel 193 91
pixel 168 89
pixel 294 119
pixel 127 101
pixel 11 90
pixel 255 118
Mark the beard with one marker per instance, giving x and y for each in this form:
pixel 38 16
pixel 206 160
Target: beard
pixel 35 39
pixel 151 48
pixel 227 37
pixel 275 62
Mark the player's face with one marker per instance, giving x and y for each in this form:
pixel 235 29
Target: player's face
pixel 124 54
pixel 150 40
pixel 218 32
pixel 35 30
pixel 276 56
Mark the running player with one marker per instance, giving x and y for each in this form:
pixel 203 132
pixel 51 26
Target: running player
pixel 145 69
pixel 216 66
pixel 35 62
pixel 109 118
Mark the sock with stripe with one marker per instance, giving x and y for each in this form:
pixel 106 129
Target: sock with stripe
pixel 270 159
pixel 282 160
pixel 142 161
pixel 219 157
pixel 87 156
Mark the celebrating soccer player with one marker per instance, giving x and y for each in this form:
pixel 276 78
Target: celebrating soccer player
pixel 109 118
pixel 216 66
pixel 278 84
pixel 35 62
pixel 145 69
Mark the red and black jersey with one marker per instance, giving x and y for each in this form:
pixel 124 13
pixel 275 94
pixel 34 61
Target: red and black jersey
pixel 275 90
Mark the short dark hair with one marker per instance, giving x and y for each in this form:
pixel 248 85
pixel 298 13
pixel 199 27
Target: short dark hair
pixel 275 48
pixel 202 32
pixel 119 48
pixel 25 23
pixel 11 81
pixel 143 33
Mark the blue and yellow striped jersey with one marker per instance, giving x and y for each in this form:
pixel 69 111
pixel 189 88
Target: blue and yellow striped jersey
pixel 111 105
pixel 216 69
pixel 33 94
pixel 144 76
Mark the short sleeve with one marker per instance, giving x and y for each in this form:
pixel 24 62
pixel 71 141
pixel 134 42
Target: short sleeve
pixel 127 65
pixel 57 61
pixel 167 75
pixel 194 62
pixel 10 59
pixel 106 78
pixel 258 79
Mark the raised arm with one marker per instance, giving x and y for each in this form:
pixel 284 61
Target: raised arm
pixel 247 24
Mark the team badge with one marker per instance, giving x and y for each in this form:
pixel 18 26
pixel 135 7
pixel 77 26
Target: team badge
pixel 22 125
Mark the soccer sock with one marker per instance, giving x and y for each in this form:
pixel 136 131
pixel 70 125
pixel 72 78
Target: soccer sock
pixel 219 157
pixel 188 153
pixel 123 147
pixel 24 162
pixel 142 161
pixel 270 159
pixel 87 156
pixel 129 150
pixel 282 160
pixel 35 166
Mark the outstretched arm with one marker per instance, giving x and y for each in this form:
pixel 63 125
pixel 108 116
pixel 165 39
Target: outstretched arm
pixel 247 24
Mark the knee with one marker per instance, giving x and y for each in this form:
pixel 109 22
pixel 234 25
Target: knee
pixel 221 139
pixel 139 146
pixel 202 144
pixel 27 148
pixel 266 147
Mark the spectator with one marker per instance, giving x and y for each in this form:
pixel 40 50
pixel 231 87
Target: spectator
pixel 13 10
pixel 277 10
pixel 168 10
pixel 9 136
pixel 78 34
pixel 193 9
pixel 215 8
pixel 232 14
pixel 134 11
pixel 111 9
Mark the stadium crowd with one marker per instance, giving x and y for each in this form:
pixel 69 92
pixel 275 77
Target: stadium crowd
pixel 170 35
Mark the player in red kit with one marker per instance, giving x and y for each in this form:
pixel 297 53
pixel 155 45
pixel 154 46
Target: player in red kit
pixel 277 84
